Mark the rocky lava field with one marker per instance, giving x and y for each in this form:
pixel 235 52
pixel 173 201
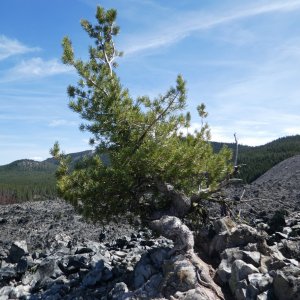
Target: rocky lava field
pixel 47 251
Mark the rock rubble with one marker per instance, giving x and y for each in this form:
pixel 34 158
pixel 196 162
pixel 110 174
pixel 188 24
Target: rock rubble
pixel 49 252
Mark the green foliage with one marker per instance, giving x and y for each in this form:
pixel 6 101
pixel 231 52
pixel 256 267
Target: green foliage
pixel 143 137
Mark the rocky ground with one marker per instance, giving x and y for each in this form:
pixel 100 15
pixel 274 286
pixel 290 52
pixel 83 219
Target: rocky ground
pixel 49 252
pixel 278 189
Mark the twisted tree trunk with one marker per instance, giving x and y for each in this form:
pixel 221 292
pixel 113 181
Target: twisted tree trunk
pixel 170 226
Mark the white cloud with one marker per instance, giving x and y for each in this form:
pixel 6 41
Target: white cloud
pixel 221 134
pixel 262 105
pixel 245 136
pixel 62 122
pixel 292 130
pixel 175 30
pixel 36 67
pixel 256 141
pixel 10 47
pixel 36 158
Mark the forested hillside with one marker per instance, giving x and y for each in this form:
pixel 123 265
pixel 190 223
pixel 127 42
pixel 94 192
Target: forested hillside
pixel 258 160
pixel 25 180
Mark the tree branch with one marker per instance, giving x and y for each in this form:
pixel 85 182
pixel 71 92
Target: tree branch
pixel 142 137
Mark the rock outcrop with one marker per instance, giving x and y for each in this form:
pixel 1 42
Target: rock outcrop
pixel 255 267
pixel 49 252
pixel 53 255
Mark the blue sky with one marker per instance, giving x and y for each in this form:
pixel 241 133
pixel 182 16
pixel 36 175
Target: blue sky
pixel 241 58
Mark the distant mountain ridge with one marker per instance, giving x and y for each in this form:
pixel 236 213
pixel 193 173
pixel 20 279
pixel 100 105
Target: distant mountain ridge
pixel 74 156
pixel 28 179
pixel 259 159
pixel 28 164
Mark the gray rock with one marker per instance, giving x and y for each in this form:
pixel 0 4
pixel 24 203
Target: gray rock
pixel 118 291
pixel 287 230
pixel 75 263
pixel 3 221
pixel 7 274
pixel 291 249
pixel 120 254
pixel 150 289
pixel 20 292
pixel 179 275
pixel 263 226
pixel 94 276
pixel 193 294
pixel 22 265
pixel 43 275
pixel 6 291
pixel 142 273
pixel 252 257
pixel 224 271
pixel 251 292
pixel 48 268
pixel 251 247
pixel 292 261
pixel 99 257
pixel 232 254
pixel 262 296
pixel 83 250
pixel 158 256
pixel 286 283
pixel 238 236
pixel 224 225
pixel 122 242
pixel 240 271
pixel 173 228
pixel 260 281
pixel 18 249
pixel 240 291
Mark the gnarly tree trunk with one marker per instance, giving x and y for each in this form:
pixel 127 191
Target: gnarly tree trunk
pixel 183 238
pixel 170 226
pixel 180 204
pixel 173 229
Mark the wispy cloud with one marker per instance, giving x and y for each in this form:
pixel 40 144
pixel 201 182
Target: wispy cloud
pixel 251 132
pixel 35 67
pixel 292 130
pixel 276 78
pixel 62 122
pixel 174 30
pixel 246 135
pixel 10 47
pixel 36 158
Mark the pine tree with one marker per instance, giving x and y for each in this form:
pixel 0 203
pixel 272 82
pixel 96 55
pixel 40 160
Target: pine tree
pixel 153 159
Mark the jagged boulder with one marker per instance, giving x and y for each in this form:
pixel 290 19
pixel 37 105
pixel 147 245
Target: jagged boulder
pixel 233 236
pixel 291 249
pixel 120 289
pixel 61 264
pixel 194 294
pixel 17 251
pixel 286 283
pixel 239 275
pixel 179 275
